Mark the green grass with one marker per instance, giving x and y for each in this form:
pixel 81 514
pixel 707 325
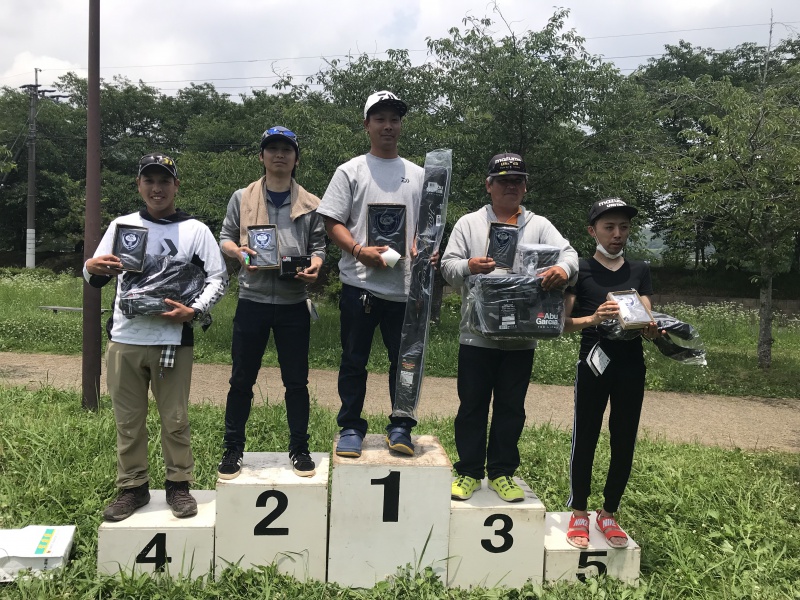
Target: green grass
pixel 712 523
pixel 728 331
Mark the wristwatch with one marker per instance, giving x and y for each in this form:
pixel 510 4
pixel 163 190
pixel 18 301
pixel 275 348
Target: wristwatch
pixel 198 314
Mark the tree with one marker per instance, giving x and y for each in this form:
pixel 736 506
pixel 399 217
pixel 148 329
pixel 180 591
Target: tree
pixel 743 168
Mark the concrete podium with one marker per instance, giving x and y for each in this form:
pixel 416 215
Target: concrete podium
pixel 270 515
pixel 388 510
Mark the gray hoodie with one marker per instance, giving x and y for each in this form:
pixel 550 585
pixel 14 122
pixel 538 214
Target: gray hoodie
pixel 470 237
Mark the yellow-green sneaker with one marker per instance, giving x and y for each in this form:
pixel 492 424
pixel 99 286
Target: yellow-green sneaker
pixel 463 486
pixel 507 489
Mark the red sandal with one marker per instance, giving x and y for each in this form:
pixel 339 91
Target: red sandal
pixel 578 528
pixel 609 528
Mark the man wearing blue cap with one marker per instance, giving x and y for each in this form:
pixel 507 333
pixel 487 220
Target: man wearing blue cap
pixel 268 302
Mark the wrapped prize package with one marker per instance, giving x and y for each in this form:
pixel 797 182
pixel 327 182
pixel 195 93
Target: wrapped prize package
pixel 161 277
pixel 513 307
pixel 681 343
pixel 535 259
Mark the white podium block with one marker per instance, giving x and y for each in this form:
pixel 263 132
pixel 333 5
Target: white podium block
pixel 496 543
pixel 388 510
pixel 270 515
pixel 562 562
pixel 36 547
pixel 153 541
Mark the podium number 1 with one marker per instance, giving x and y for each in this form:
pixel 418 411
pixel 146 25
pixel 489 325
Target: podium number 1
pixel 391 496
pixel 263 526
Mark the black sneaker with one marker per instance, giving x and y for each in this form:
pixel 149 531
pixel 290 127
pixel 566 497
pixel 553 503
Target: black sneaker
pixel 127 502
pixel 179 499
pixel 231 464
pixel 302 464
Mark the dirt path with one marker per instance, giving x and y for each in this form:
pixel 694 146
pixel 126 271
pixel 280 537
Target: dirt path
pixel 747 423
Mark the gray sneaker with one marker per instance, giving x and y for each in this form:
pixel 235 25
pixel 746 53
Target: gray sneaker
pixel 179 499
pixel 128 500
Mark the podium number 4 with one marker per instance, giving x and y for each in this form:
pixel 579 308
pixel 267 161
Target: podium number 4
pixel 160 560
pixel 263 526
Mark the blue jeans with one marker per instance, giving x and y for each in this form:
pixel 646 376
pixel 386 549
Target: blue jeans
pixel 357 330
pixel 252 323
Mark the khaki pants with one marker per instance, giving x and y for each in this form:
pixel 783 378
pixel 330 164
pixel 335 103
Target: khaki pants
pixel 131 371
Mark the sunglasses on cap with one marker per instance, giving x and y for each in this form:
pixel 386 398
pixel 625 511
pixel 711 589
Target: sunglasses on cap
pixel 161 160
pixel 280 131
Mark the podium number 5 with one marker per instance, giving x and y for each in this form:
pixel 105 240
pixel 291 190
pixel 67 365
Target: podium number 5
pixel 160 560
pixel 391 496
pixel 508 541
pixel 262 527
pixel 584 562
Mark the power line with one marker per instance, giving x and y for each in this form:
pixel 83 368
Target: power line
pixel 621 35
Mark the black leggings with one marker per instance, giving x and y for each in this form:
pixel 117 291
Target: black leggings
pixel 623 383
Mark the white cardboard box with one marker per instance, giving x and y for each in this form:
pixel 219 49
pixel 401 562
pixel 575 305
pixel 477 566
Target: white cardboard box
pixel 270 515
pixel 389 510
pixel 153 541
pixel 496 543
pixel 562 562
pixel 36 547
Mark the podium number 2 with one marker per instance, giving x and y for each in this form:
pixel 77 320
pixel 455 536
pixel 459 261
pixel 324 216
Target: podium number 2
pixel 262 527
pixel 508 541
pixel 160 560
pixel 584 562
pixel 391 496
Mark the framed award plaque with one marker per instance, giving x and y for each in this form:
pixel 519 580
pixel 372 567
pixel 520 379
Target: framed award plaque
pixel 502 244
pixel 264 240
pixel 633 314
pixel 130 246
pixel 386 226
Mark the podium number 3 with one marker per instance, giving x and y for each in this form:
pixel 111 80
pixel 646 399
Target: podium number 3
pixel 160 560
pixel 263 526
pixel 508 541
pixel 391 496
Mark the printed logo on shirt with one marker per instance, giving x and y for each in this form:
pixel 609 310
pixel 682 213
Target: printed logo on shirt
pixel 405 180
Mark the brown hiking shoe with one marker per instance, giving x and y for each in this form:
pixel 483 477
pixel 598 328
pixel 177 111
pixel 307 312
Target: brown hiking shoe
pixel 179 499
pixel 127 502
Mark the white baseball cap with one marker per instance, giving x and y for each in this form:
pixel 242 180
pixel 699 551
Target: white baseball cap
pixel 386 98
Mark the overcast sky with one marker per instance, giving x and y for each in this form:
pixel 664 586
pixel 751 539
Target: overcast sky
pixel 239 44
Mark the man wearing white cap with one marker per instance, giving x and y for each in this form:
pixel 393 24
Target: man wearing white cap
pixel 379 185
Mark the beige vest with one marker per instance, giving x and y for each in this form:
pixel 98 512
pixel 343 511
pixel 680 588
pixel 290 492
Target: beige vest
pixel 253 208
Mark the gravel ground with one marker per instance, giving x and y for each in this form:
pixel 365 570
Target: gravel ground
pixel 746 423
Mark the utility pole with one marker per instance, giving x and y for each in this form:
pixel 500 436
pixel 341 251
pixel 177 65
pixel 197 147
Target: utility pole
pixel 90 369
pixel 30 232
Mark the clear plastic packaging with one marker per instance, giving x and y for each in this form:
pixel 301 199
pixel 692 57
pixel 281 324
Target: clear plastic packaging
pixel 535 259
pixel 513 307
pixel 161 277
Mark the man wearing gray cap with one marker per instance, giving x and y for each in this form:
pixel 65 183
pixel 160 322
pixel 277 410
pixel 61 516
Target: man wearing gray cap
pixel 372 200
pixel 491 372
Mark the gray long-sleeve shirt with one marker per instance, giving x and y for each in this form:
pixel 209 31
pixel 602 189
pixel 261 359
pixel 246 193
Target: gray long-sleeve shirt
pixel 470 237
pixel 304 235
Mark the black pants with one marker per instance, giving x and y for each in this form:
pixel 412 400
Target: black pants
pixel 357 330
pixel 483 372
pixel 623 383
pixel 252 323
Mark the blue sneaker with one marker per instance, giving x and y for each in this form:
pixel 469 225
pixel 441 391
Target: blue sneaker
pixel 399 439
pixel 349 444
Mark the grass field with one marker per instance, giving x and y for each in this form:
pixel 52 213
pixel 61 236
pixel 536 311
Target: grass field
pixel 728 330
pixel 712 523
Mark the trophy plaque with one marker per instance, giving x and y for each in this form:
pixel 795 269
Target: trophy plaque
pixel 386 226
pixel 130 246
pixel 633 314
pixel 502 244
pixel 264 240
pixel 292 265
